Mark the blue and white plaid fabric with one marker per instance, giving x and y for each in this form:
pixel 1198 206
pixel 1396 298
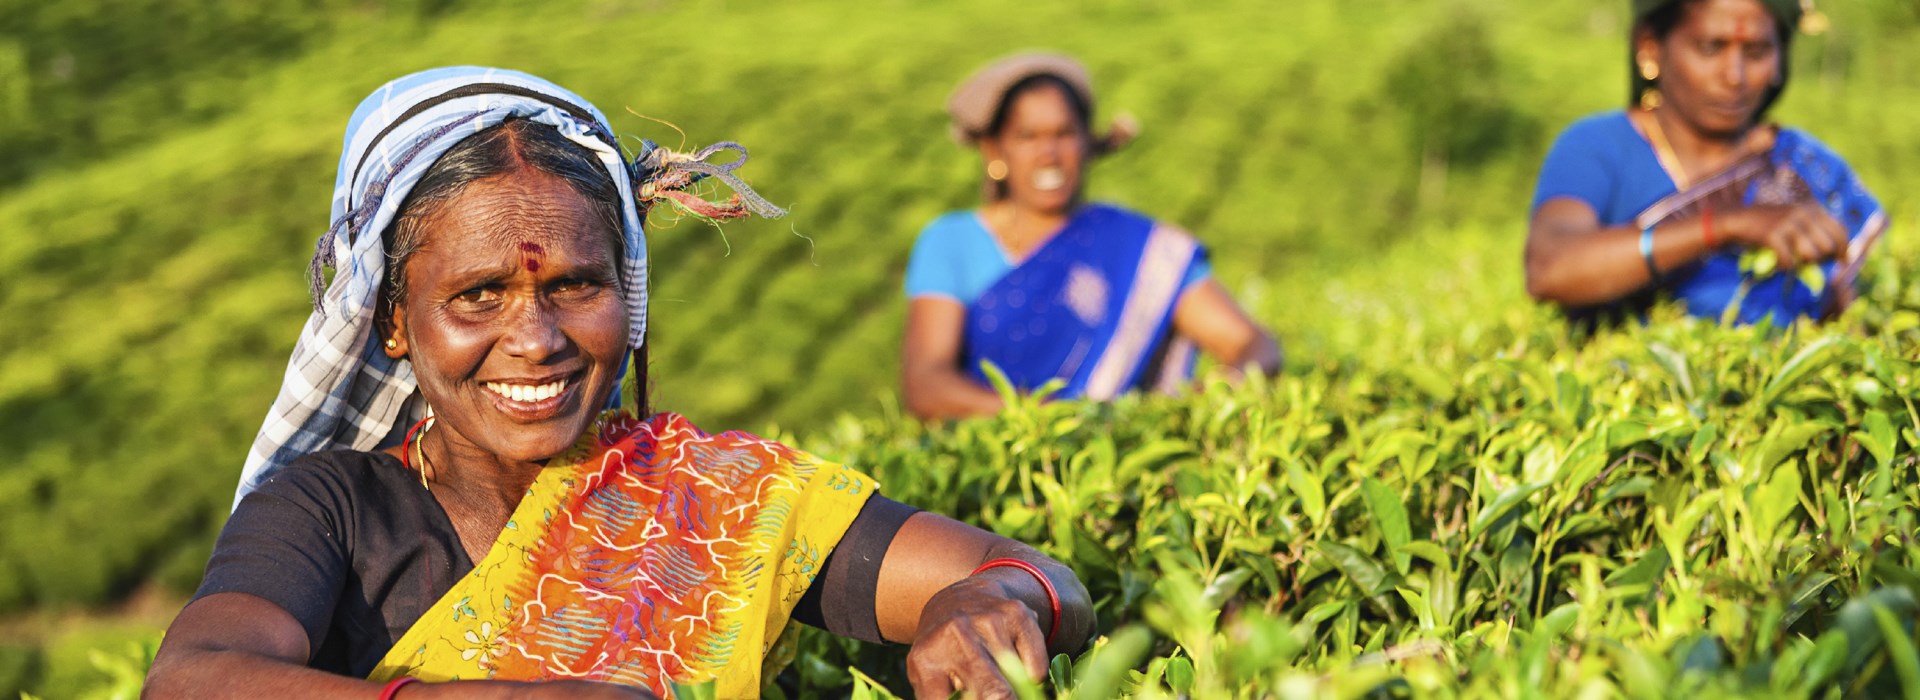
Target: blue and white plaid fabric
pixel 341 390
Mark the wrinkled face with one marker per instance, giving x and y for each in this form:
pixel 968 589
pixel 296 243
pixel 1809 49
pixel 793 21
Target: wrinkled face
pixel 514 321
pixel 1718 64
pixel 1044 147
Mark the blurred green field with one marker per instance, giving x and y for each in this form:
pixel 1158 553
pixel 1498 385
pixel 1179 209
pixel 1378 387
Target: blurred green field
pixel 1361 171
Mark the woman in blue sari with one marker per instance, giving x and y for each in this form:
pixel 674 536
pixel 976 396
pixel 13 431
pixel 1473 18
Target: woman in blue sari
pixel 1667 197
pixel 1044 286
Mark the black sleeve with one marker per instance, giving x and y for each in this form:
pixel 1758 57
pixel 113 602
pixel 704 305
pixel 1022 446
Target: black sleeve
pixel 841 598
pixel 286 542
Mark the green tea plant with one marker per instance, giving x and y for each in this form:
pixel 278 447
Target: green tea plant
pixel 1675 508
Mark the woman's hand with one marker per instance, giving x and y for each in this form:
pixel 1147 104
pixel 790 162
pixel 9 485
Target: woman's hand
pixel 927 595
pixel 1796 233
pixel 965 626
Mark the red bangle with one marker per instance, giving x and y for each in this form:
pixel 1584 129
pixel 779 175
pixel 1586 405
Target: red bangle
pixel 393 686
pixel 1053 597
pixel 1706 228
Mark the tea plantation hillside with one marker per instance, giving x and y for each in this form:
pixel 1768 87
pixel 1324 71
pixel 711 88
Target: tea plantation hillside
pixel 1443 493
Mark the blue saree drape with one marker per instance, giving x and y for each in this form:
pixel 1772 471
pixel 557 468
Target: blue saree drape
pixel 1797 169
pixel 1093 306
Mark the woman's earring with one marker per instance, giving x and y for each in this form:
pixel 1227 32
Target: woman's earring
pixel 413 453
pixel 996 170
pixel 1649 70
pixel 1650 98
pixel 393 344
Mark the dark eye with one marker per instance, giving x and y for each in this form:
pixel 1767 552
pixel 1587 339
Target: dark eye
pixel 483 294
pixel 574 286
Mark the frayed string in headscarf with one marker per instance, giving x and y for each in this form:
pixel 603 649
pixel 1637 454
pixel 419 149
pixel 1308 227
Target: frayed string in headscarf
pixel 660 173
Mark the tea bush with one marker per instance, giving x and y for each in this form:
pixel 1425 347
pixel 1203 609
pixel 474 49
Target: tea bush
pixel 1659 511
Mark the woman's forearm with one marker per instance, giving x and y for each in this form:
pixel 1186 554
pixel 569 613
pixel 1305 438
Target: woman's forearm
pixel 1595 267
pixel 217 673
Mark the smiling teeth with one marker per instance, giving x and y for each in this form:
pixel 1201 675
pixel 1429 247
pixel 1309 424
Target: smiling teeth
pixel 1048 179
pixel 528 393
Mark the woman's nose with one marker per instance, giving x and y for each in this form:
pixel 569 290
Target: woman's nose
pixel 1735 69
pixel 533 333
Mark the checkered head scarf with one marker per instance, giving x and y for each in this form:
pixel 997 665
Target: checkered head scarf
pixel 341 390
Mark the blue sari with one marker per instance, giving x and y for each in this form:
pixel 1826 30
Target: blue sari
pixel 1797 169
pixel 1093 307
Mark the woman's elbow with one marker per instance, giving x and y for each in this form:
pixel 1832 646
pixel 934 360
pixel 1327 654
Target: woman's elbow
pixel 918 396
pixel 1542 281
pixel 919 407
pixel 169 676
pixel 1539 290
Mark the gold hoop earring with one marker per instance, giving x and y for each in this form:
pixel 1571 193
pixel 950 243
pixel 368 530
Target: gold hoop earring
pixel 413 452
pixel 996 170
pixel 1650 98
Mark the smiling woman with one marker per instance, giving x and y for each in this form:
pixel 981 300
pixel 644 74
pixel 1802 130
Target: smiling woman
pixel 1045 286
pixel 446 490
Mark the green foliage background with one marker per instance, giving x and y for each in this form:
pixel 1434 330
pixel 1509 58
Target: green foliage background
pixel 1361 171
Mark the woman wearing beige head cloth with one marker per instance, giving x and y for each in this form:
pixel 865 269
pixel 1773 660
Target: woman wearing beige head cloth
pixel 1045 286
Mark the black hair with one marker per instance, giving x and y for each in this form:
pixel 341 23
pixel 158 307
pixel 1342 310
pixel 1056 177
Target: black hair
pixel 1081 111
pixel 1661 22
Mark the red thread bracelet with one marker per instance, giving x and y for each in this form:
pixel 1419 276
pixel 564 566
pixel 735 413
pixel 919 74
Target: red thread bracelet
pixel 393 686
pixel 1053 597
pixel 1706 228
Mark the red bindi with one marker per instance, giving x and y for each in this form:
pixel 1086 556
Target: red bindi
pixel 531 253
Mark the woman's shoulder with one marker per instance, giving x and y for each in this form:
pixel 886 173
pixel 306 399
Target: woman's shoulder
pixel 1117 211
pixel 1801 143
pixel 953 223
pixel 1599 126
pixel 334 477
pixel 955 235
pixel 1118 219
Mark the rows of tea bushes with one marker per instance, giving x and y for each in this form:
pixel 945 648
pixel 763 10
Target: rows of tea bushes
pixel 1651 512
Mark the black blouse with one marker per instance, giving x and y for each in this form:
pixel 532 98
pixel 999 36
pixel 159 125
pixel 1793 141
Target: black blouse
pixel 350 545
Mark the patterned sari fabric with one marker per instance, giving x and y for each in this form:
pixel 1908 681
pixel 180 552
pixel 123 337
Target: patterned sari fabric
pixel 1092 307
pixel 1797 169
pixel 651 554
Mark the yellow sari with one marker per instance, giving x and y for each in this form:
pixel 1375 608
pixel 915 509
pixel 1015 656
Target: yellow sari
pixel 650 554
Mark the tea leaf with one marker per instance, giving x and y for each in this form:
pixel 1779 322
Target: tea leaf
pixel 1391 517
pixel 1364 571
